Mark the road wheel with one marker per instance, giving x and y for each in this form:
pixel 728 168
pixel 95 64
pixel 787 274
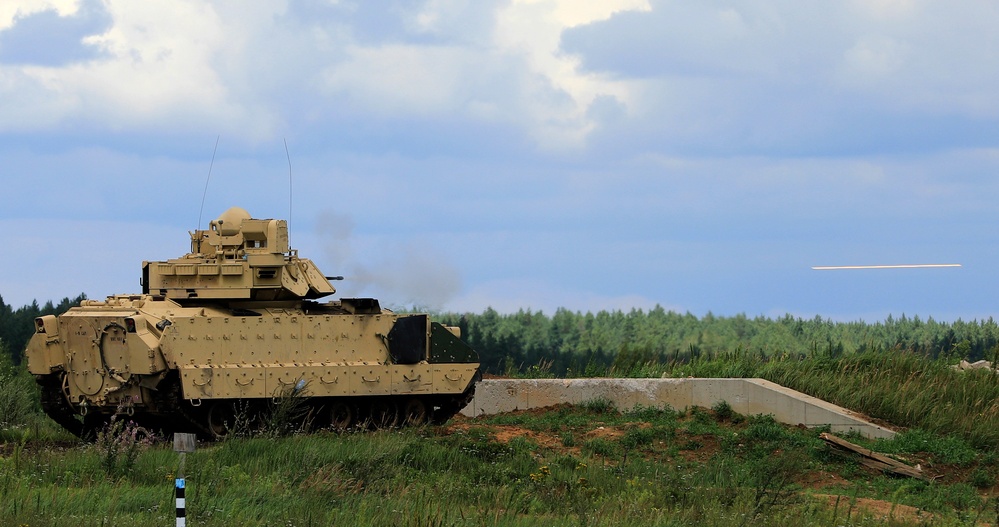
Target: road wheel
pixel 384 415
pixel 414 413
pixel 342 416
pixel 220 419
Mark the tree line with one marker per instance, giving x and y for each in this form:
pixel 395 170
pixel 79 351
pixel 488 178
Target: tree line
pixel 572 343
pixel 588 344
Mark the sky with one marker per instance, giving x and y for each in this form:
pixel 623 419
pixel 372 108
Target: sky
pixel 524 154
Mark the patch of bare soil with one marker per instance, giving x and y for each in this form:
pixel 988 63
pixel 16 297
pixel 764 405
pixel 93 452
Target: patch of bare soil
pixel 821 479
pixel 880 509
pixel 700 448
pixel 506 433
pixel 609 433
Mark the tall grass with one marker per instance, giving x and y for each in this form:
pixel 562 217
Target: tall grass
pixel 465 475
pixel 17 399
pixel 900 387
pixel 21 416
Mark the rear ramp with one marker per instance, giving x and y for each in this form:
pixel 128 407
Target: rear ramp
pixel 745 396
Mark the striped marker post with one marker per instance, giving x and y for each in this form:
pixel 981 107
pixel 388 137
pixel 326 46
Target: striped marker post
pixel 181 505
pixel 182 443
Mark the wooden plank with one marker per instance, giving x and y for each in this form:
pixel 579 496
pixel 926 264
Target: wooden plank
pixel 875 460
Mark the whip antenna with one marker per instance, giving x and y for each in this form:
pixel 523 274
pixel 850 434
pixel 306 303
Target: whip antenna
pixel 290 189
pixel 205 194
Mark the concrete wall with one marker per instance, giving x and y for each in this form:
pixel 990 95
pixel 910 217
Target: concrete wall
pixel 745 396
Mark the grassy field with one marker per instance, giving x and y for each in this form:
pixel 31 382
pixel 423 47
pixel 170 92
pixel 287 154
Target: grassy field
pixel 588 465
pixel 585 465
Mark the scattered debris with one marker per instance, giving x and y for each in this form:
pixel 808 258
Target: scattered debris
pixel 980 365
pixel 874 460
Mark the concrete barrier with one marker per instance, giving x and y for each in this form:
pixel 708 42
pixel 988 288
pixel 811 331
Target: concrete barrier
pixel 745 396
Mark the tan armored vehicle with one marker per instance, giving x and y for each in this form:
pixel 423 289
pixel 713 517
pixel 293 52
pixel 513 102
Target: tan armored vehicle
pixel 233 327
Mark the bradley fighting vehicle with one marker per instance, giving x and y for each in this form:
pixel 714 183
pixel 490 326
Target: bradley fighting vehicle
pixel 234 325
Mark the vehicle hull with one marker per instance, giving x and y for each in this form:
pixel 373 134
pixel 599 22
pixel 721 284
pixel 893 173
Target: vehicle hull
pixel 183 367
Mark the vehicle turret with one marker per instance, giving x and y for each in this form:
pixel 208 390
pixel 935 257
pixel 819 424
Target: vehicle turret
pixel 237 258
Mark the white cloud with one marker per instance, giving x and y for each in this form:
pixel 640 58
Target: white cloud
pixel 241 69
pixel 586 154
pixel 532 29
pixel 156 70
pixel 406 80
pixel 11 11
pixel 510 72
pixel 795 77
pixel 705 75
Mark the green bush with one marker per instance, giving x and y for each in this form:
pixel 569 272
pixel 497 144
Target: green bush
pixel 982 478
pixel 653 414
pixel 723 410
pixel 119 444
pixel 19 405
pixel 600 447
pixel 637 438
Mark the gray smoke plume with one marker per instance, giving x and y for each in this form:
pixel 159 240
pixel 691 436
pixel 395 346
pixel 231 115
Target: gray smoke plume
pixel 336 229
pixel 415 275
